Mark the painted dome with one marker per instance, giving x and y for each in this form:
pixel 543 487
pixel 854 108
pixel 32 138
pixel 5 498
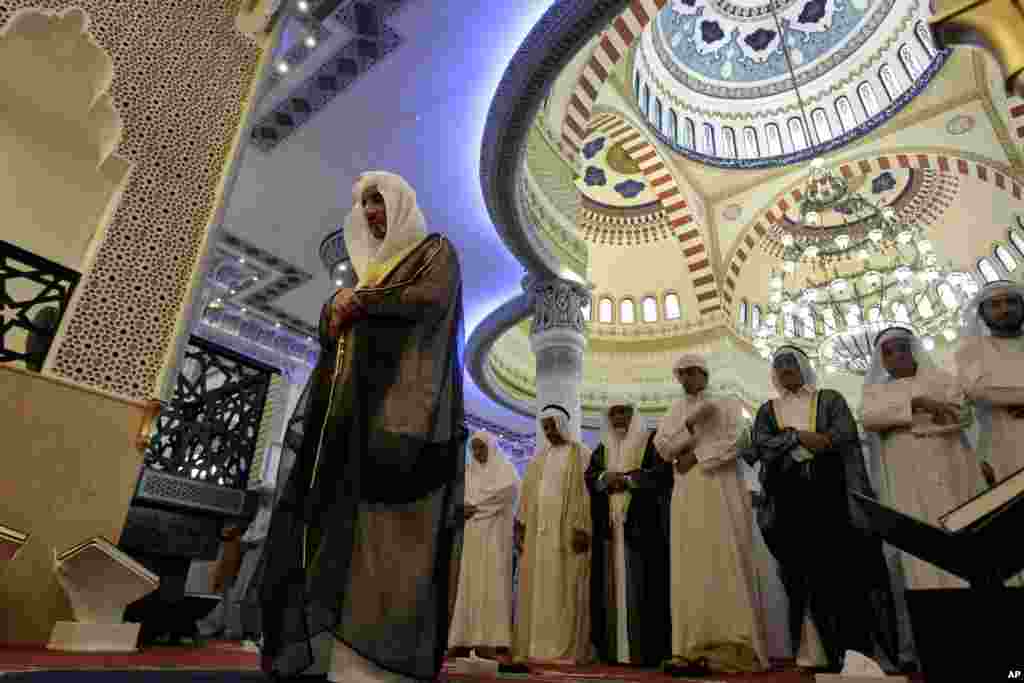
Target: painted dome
pixel 609 177
pixel 712 78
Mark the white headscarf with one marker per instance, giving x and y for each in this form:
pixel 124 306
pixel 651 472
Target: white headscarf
pixel 877 374
pixel 690 360
pixel 806 369
pixel 561 417
pixel 406 225
pixel 974 323
pixel 623 452
pixel 483 480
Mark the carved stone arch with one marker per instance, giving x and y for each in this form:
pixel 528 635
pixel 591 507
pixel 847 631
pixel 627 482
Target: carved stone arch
pixel 62 128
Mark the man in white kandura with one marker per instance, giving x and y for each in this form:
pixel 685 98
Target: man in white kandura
pixel 716 620
pixel 918 415
pixel 553 531
pixel 483 608
pixel 990 364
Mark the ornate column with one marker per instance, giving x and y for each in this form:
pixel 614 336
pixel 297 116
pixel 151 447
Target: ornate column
pixel 557 337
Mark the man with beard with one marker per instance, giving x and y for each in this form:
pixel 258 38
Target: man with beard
pixel 835 574
pixel 629 487
pixel 990 364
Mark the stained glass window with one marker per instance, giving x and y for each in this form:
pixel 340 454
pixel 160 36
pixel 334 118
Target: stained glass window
pixel 889 82
pixel 729 138
pixel 672 311
pixel 627 313
pixel 650 307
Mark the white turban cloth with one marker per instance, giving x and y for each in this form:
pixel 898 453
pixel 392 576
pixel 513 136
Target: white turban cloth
pixel 623 452
pixel 561 417
pixel 806 369
pixel 483 480
pixel 974 323
pixel 690 360
pixel 406 226
pixel 877 374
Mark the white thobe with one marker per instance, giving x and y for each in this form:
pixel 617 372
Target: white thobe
pixel 618 550
pixel 483 607
pixel 552 635
pixel 927 469
pixel 991 369
pixel 793 409
pixel 715 607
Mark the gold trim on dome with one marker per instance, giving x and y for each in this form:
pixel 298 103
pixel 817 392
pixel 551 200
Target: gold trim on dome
pixel 620 161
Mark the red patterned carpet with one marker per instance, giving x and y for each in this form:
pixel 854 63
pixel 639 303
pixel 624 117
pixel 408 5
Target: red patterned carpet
pixel 232 657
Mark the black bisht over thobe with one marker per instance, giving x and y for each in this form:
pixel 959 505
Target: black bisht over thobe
pixel 647 561
pixel 364 550
pixel 828 560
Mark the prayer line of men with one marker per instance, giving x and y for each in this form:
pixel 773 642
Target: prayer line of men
pixel 646 550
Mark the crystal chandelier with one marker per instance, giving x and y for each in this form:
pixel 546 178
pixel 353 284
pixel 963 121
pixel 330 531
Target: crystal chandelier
pixel 835 318
pixel 844 280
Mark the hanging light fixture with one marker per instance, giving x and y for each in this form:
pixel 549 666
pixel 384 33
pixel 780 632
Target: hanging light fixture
pixel 880 270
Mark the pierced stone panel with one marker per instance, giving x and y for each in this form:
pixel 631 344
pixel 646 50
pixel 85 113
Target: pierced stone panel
pixel 182 76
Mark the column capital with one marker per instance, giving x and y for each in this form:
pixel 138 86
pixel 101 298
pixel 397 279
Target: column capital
pixel 557 308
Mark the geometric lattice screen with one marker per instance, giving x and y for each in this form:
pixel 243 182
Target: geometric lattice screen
pixel 276 404
pixel 210 430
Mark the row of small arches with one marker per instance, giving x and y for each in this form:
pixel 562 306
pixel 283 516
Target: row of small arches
pixel 769 141
pixel 1005 261
pixel 625 311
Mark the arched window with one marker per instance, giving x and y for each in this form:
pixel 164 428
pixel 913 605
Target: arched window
pixel 875 314
pixel 673 126
pixel 645 104
pixel 729 142
pixel 866 93
pixel 689 133
pixel 1006 258
pixel 743 313
pixel 796 133
pixel 900 312
pixel 1017 239
pixel 821 124
pixel 709 140
pixel 987 270
pixel 755 317
pixel 924 36
pixel 844 110
pixel 750 147
pixel 636 85
pixel 672 311
pixel 604 310
pixel 910 62
pixel 650 309
pixel 657 113
pixel 774 139
pixel 889 82
pixel 627 312
pixel 947 296
pixel 586 310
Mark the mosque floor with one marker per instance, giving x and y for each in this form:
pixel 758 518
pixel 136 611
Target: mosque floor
pixel 229 662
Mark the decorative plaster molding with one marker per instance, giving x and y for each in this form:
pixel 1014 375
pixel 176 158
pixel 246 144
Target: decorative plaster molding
pixel 373 41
